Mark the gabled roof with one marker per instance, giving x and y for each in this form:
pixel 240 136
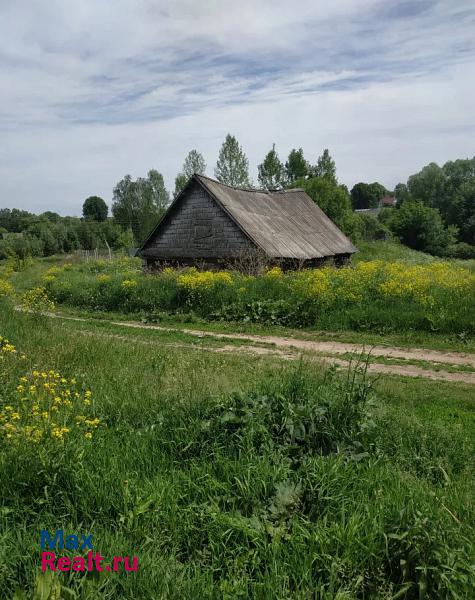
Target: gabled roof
pixel 284 224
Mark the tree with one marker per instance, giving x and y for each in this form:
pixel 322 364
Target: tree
pixel 401 193
pixel 296 166
pixel 15 220
pixel 139 204
pixel 451 190
pixel 95 209
pixel 325 167
pixel 333 199
pixel 428 185
pixel 421 227
pixel 159 195
pixel 180 181
pixel 232 167
pixel 271 171
pixel 194 163
pixel 367 195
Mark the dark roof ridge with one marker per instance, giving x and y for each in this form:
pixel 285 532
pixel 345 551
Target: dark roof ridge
pixel 245 189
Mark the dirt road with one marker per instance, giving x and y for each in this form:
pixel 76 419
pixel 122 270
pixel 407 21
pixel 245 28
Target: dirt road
pixel 435 363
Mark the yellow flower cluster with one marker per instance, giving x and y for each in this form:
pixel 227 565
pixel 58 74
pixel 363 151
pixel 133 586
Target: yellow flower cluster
pixel 47 405
pixel 103 278
pixel 312 283
pixel 50 274
pixel 6 288
pixel 274 273
pixel 37 300
pixel 194 279
pixel 7 268
pixel 128 284
pixel 422 284
pixel 6 347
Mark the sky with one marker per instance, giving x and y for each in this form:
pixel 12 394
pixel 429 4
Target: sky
pixel 92 90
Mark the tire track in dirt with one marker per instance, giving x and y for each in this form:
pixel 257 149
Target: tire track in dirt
pixel 425 354
pixel 293 349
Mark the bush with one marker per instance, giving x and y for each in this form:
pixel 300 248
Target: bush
pixel 421 228
pixel 462 251
pixel 372 229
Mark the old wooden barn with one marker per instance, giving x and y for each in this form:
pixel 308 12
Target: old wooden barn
pixel 213 225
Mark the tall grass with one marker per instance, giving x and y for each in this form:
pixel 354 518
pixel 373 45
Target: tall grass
pixel 264 482
pixel 372 296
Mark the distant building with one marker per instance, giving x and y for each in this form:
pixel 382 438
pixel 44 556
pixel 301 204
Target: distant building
pixel 387 201
pixel 213 225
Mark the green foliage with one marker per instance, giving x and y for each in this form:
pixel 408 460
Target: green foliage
pixel 180 181
pixel 296 167
pixel 299 419
pixel 330 197
pixel 95 208
pixel 375 296
pixel 462 250
pixel 15 220
pixel 268 312
pixel 373 229
pixel 325 168
pixel 367 195
pixel 421 228
pixel 232 167
pixel 194 163
pixel 137 205
pixel 271 171
pixel 451 190
pixel 49 234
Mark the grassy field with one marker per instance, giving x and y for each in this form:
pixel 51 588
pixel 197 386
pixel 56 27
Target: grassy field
pixel 234 477
pixel 403 294
pixel 392 251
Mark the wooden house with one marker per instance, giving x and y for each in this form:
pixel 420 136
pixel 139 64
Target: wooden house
pixel 212 225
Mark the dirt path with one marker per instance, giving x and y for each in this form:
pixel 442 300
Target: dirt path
pixel 433 356
pixel 323 352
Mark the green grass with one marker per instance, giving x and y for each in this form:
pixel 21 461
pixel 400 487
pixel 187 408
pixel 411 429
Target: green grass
pixel 242 477
pixel 389 252
pixel 440 318
pixel 392 251
pixel 404 339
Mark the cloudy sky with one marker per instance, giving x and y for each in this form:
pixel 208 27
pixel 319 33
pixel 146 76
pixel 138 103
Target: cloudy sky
pixel 93 89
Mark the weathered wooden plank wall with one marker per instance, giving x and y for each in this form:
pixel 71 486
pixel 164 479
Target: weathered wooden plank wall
pixel 199 229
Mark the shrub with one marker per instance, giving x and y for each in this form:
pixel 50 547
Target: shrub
pixel 421 228
pixel 37 301
pixel 300 419
pixel 462 250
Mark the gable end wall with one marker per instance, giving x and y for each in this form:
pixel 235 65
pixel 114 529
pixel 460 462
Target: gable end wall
pixel 198 228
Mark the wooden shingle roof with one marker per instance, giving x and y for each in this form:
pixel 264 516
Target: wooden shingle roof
pixel 284 224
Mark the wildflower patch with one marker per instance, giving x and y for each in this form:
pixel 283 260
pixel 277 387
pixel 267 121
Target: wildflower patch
pixel 434 296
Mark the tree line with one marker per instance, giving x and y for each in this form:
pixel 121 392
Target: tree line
pixel 434 211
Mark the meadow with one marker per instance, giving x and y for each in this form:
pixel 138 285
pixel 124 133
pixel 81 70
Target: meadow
pixel 265 481
pixel 373 295
pixel 230 475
